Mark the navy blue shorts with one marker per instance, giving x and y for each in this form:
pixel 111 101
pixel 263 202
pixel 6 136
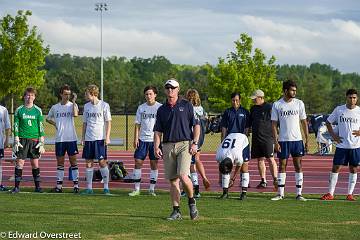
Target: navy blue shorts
pixel 95 150
pixel 144 149
pixel 344 156
pixel 293 148
pixel 62 147
pixel 1 153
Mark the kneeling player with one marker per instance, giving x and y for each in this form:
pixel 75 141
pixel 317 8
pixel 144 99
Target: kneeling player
pixel 61 115
pixel 96 136
pixel 234 149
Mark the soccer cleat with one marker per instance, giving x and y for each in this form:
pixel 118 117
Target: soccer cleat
pixel 87 192
pixel 38 190
pixel 261 185
pixel 57 190
pixel 134 193
pixel 76 190
pixel 224 196
pixel 152 193
pixel 3 188
pixel 15 190
pixel 106 191
pixel 183 194
pixel 300 198
pixel 327 196
pixel 243 196
pixel 194 213
pixel 277 198
pixel 197 195
pixel 350 197
pixel 175 215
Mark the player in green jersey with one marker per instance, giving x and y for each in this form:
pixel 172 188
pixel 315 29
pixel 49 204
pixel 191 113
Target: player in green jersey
pixel 28 138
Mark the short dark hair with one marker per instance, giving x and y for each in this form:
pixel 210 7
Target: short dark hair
pixel 151 88
pixel 288 84
pixel 64 87
pixel 351 91
pixel 30 90
pixel 234 94
pixel 225 166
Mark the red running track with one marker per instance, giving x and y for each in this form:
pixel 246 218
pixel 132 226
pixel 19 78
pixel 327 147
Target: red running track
pixel 316 171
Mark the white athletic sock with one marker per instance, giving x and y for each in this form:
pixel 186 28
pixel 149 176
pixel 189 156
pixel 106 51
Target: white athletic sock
pixel 153 179
pixel 281 183
pixel 352 182
pixel 299 180
pixel 245 180
pixel 225 180
pixel 89 177
pixel 194 178
pixel 332 182
pixel 137 179
pixel 59 176
pixel 75 175
pixel 105 176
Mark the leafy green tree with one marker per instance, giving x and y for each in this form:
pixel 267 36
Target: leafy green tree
pixel 22 54
pixel 242 71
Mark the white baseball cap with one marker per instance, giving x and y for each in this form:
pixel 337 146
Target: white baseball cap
pixel 257 93
pixel 172 82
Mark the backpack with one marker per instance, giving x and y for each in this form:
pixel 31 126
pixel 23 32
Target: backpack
pixel 117 170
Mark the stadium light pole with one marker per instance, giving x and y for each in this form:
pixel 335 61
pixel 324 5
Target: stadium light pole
pixel 100 7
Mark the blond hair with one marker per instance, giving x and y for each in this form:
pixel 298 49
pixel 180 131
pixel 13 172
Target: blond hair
pixel 192 96
pixel 93 90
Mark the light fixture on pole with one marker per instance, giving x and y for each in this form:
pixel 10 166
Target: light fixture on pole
pixel 101 7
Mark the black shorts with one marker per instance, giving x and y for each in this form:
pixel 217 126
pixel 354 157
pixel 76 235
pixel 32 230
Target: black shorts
pixel 28 150
pixel 262 149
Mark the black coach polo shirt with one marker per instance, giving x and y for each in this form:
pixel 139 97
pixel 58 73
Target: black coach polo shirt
pixel 235 120
pixel 176 122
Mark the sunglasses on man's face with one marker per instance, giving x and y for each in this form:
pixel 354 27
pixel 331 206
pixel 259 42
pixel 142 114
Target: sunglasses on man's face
pixel 168 87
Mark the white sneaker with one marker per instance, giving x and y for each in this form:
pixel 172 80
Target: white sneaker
pixel 301 198
pixel 152 193
pixel 277 198
pixel 134 193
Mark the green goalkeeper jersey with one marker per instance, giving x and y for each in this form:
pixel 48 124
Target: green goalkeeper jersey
pixel 28 122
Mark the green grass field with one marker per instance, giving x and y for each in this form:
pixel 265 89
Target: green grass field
pixel 144 217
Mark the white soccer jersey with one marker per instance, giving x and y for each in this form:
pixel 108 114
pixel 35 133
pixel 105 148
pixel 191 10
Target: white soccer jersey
pixel 348 120
pixel 289 114
pixel 199 112
pixel 236 147
pixel 4 124
pixel 146 118
pixel 63 116
pixel 95 117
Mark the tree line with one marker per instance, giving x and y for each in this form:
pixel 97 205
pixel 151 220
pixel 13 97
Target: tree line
pixel 25 61
pixel 320 86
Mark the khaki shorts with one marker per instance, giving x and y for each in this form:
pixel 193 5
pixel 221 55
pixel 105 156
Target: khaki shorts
pixel 177 159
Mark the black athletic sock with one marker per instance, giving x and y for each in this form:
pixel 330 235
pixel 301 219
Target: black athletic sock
pixel 196 189
pixel 176 208
pixel 18 176
pixel 36 176
pixel 225 190
pixel 192 201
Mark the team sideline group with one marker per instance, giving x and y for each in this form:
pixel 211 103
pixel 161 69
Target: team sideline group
pixel 174 132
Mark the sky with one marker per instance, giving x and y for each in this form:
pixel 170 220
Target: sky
pixel 197 32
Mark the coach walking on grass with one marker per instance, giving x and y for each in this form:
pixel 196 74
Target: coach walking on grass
pixel 174 123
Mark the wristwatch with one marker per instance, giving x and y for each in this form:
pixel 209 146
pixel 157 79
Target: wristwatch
pixel 194 142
